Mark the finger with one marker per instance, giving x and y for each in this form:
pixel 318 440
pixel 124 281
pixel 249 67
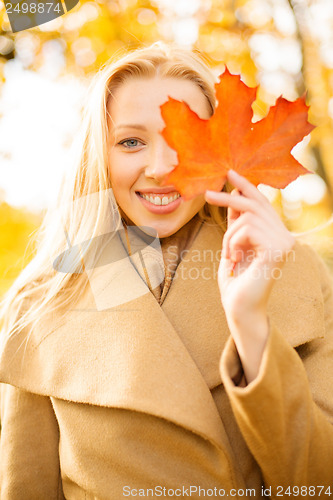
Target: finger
pixel 235 201
pixel 245 220
pixel 226 268
pixel 245 186
pixel 233 214
pixel 246 238
pixel 242 204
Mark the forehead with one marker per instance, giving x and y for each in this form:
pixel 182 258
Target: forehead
pixel 140 98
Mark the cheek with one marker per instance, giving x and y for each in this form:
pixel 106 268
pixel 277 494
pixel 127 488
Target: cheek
pixel 122 171
pixel 117 173
pixel 198 202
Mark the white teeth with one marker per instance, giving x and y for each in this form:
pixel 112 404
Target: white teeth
pixel 157 200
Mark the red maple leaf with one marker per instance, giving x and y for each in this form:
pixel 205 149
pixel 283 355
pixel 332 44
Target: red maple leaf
pixel 259 151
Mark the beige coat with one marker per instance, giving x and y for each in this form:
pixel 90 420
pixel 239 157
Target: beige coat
pixel 103 404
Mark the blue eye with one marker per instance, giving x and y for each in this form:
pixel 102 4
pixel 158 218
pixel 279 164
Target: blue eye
pixel 130 142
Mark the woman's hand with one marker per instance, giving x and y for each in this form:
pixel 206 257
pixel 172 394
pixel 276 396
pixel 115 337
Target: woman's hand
pixel 254 249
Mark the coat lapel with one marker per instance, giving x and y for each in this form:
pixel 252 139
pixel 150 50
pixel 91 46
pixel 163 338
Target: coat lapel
pixel 194 305
pixel 126 356
pixel 164 360
pixel 296 301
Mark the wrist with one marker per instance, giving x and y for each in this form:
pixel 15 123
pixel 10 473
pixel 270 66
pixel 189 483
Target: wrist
pixel 244 317
pixel 250 334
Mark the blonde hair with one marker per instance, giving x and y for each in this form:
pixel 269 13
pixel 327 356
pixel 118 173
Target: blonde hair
pixel 40 289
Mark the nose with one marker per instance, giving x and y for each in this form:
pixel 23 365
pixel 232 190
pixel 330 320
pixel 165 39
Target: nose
pixel 161 161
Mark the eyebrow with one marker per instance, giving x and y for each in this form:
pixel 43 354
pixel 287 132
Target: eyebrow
pixel 138 126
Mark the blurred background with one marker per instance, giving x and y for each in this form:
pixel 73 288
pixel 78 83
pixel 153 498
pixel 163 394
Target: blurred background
pixel 286 46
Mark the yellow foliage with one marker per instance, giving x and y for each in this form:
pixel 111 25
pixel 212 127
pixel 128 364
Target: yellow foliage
pixel 16 242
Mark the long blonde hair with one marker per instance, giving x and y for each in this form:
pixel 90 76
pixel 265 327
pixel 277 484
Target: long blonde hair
pixel 40 289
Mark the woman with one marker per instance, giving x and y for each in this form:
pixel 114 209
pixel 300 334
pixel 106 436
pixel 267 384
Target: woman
pixel 146 362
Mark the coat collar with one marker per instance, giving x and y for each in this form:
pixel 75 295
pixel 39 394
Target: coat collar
pixel 161 360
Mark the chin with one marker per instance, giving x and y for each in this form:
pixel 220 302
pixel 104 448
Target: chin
pixel 162 231
pixel 165 232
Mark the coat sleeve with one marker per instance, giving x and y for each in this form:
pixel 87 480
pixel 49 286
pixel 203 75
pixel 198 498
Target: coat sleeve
pixel 286 413
pixel 29 456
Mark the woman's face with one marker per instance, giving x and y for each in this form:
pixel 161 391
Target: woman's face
pixel 139 157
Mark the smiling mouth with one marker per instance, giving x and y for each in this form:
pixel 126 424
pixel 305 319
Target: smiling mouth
pixel 159 199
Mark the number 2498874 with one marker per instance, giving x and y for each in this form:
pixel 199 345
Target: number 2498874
pixel 303 491
pixel 33 7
